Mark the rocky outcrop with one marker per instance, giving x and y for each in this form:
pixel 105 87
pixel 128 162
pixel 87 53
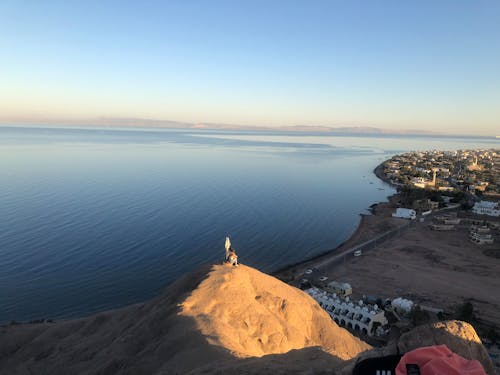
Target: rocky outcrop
pixel 460 337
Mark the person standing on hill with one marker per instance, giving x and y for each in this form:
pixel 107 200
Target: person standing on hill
pixel 228 248
pixel 233 258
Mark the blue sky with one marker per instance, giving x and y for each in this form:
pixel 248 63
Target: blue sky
pixel 429 65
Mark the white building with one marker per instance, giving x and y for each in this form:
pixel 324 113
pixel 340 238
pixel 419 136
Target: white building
pixel 367 319
pixel 402 305
pixel 486 208
pixel 405 213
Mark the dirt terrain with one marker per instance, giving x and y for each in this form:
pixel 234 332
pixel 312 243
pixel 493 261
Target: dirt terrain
pixel 439 269
pixel 434 268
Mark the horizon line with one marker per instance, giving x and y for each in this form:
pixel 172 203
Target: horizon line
pixel 150 124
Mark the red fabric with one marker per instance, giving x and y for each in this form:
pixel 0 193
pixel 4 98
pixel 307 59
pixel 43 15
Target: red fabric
pixel 439 360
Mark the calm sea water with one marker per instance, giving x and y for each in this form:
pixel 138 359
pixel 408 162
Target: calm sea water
pixel 94 219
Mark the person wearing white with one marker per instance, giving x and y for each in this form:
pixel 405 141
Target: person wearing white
pixel 228 247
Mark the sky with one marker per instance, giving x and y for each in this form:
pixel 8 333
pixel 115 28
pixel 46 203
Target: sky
pixel 426 65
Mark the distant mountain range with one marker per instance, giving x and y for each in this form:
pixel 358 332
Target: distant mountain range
pixel 128 122
pixel 222 126
pixel 132 122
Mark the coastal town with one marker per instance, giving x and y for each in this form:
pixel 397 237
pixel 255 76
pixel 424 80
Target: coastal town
pixel 465 179
pixel 431 252
pixel 472 172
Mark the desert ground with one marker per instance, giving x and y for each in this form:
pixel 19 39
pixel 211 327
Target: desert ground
pixel 433 268
pixel 439 269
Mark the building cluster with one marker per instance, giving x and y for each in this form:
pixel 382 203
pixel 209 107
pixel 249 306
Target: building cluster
pixel 481 235
pixel 481 232
pixel 445 222
pixel 486 208
pixel 473 171
pixel 367 319
pixel 366 316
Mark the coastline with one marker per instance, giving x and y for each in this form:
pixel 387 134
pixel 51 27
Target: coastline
pixel 281 272
pixel 368 227
pixel 417 264
pixel 379 172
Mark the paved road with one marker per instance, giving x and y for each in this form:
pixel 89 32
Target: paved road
pixel 338 258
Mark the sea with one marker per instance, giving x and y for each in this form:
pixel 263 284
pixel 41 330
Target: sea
pixel 97 218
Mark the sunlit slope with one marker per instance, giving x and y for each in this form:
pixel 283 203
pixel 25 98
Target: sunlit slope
pixel 253 314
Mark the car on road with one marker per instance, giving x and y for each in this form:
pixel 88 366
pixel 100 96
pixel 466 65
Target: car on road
pixel 311 271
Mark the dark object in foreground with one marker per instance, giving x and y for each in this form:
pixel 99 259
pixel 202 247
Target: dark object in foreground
pixel 373 366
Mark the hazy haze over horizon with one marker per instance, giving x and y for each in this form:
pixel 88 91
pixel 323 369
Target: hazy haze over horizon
pixel 391 65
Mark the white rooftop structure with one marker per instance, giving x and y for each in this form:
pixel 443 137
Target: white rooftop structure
pixel 486 208
pixel 402 305
pixel 405 213
pixel 367 319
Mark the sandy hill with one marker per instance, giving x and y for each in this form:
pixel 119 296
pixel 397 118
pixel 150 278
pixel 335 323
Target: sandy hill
pixel 216 319
pixel 252 314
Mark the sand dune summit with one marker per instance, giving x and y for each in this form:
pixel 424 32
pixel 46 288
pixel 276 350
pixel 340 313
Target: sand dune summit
pixel 252 314
pixel 215 320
